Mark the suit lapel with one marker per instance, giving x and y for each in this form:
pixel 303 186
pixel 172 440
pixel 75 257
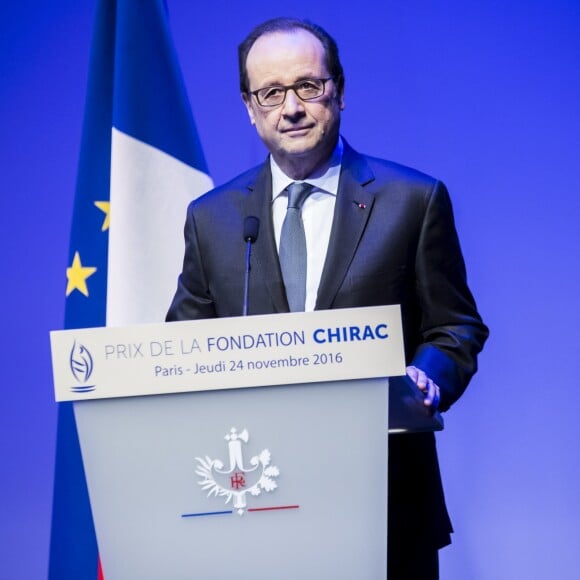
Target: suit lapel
pixel 353 207
pixel 266 267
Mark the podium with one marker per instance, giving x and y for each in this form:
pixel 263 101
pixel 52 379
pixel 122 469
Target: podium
pixel 251 448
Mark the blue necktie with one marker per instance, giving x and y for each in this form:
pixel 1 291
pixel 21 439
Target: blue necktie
pixel 293 247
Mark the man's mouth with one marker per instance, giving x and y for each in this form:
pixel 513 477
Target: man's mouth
pixel 296 130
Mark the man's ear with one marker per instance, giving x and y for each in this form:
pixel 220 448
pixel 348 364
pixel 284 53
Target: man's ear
pixel 341 97
pixel 340 93
pixel 247 99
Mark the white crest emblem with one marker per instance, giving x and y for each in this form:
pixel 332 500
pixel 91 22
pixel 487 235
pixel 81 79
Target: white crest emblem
pixel 237 480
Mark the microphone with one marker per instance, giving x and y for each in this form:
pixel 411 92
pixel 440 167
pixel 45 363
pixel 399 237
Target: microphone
pixel 251 229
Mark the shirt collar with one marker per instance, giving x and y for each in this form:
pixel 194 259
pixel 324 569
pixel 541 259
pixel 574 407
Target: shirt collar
pixel 325 179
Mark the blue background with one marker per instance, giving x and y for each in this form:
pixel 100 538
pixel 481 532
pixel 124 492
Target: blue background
pixel 484 95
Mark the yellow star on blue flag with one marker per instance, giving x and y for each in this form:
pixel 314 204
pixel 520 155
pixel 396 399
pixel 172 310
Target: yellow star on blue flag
pixel 77 276
pixel 105 207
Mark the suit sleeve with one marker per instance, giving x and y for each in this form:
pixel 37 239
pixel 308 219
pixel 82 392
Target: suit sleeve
pixel 192 298
pixel 451 330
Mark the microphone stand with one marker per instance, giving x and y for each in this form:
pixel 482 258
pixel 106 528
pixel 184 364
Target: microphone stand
pixel 251 228
pixel 249 243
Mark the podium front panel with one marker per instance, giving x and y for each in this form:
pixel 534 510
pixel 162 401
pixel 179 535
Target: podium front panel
pixel 296 477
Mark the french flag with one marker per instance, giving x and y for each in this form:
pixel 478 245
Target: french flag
pixel 140 164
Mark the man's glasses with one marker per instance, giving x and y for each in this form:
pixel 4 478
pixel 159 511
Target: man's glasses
pixel 305 90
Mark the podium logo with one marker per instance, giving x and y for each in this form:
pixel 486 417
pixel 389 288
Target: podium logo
pixel 239 481
pixel 81 367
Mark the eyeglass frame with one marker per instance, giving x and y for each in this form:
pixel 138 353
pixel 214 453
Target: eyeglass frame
pixel 293 88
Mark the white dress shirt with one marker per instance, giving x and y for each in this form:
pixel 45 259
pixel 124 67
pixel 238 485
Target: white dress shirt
pixel 317 215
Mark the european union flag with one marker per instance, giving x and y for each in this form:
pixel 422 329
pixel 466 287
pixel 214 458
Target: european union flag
pixel 140 164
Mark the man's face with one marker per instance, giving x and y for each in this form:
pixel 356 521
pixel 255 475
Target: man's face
pixel 300 135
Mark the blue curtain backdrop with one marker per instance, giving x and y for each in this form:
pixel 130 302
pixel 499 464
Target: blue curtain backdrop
pixel 482 95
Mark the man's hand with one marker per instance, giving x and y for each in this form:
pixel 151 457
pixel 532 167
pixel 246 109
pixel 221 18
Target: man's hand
pixel 430 389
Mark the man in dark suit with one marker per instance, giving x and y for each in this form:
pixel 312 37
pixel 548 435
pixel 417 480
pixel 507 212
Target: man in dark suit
pixel 375 233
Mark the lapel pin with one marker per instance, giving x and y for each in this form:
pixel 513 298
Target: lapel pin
pixel 360 205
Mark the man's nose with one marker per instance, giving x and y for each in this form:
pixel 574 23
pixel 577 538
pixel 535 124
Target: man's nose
pixel 292 104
